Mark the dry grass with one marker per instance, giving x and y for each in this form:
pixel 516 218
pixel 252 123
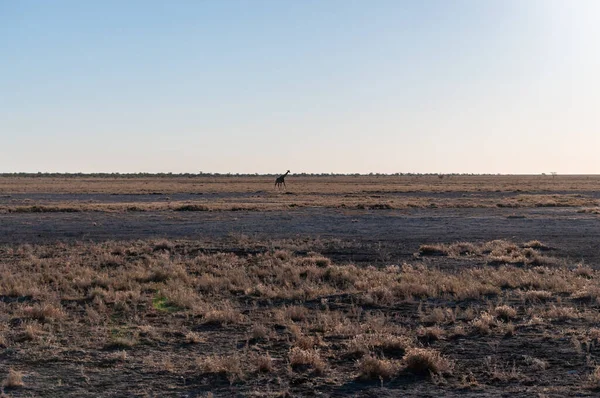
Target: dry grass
pixel 229 365
pixel 300 358
pixel 14 379
pixel 193 338
pixel 425 361
pixel 505 312
pixel 264 363
pixel 495 252
pixel 373 185
pixel 484 323
pixel 594 379
pixel 257 194
pixel 537 295
pixel 226 318
pixel 430 334
pixel 377 369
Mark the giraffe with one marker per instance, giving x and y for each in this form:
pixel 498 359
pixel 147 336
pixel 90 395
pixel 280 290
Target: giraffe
pixel 281 180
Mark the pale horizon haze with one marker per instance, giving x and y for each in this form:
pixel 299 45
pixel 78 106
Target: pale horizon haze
pixel 383 86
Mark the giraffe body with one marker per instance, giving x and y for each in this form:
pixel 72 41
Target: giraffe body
pixel 281 180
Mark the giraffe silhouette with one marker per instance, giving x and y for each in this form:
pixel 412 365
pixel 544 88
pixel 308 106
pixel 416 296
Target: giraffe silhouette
pixel 281 180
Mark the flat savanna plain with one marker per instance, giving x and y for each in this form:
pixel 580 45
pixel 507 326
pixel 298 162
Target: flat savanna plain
pixel 336 286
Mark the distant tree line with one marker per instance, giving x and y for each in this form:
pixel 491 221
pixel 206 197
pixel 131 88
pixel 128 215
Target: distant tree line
pixel 202 174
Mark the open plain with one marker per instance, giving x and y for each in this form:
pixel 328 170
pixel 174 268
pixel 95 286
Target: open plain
pixel 194 286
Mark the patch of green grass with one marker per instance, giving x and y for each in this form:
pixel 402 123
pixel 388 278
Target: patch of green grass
pixel 161 303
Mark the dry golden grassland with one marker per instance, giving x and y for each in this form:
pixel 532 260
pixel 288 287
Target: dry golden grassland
pixel 300 184
pixel 162 316
pixel 258 193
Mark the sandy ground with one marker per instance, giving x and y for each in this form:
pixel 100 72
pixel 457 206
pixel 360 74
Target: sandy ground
pixel 397 233
pixel 358 236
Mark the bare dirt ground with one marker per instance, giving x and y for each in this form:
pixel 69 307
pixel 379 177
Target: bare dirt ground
pixel 108 288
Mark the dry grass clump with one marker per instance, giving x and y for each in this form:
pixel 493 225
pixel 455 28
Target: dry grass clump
pixel 384 343
pixel 14 379
pixel 223 315
pixel 390 344
pixel 484 323
pixel 434 250
pixel 191 207
pixel 229 365
pixel 499 371
pixel 427 360
pixel 535 244
pixel 193 338
pixel 508 329
pixel 536 363
pixel 593 382
pixel 589 293
pixel 357 347
pixel 307 342
pixel 259 332
pixel 121 342
pixel 295 313
pixel 505 312
pixel 31 331
pixel 377 369
pixel 44 312
pixel 454 250
pixel 458 331
pixel 314 259
pixel 436 316
pixel 263 363
pixel 536 295
pixel 561 313
pixel 430 334
pixel 594 334
pixel 494 252
pixel 584 271
pixel 300 358
pixel 173 297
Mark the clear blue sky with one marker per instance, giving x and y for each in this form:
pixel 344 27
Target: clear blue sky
pixel 482 86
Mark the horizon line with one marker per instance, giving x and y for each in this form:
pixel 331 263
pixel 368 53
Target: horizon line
pixel 237 174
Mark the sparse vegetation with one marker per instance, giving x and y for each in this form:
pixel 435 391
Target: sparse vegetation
pixel 238 315
pixel 261 313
